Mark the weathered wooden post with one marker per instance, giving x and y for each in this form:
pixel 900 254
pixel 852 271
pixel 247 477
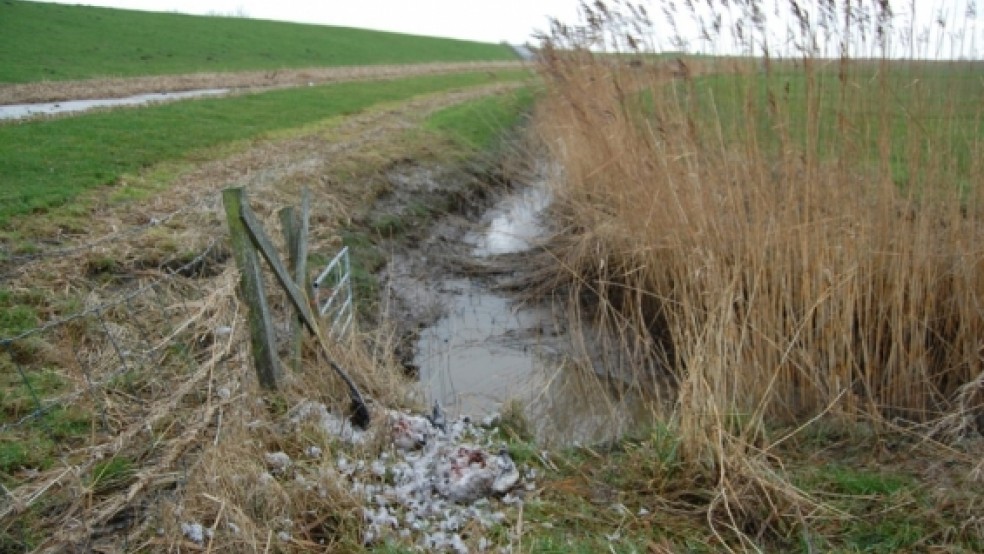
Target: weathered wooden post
pixel 295 235
pixel 248 237
pixel 261 331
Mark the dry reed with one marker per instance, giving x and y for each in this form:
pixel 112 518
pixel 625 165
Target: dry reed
pixel 773 273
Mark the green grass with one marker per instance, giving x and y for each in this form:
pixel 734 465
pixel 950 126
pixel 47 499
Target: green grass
pixel 15 315
pixel 477 125
pixel 38 443
pixel 931 107
pixel 18 396
pixel 577 507
pixel 58 42
pixel 48 163
pixel 111 474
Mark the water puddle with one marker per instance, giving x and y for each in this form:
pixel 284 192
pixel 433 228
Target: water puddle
pixel 22 111
pixel 482 352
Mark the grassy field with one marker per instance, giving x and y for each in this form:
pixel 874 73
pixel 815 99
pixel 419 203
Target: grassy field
pixel 47 163
pixel 832 111
pixel 41 41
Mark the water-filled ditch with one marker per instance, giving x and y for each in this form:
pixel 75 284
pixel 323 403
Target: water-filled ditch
pixel 479 344
pixel 485 348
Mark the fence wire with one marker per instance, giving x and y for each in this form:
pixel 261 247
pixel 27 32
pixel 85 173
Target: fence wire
pixel 15 259
pixel 100 350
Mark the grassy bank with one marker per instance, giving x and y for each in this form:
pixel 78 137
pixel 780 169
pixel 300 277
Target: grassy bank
pixel 773 249
pixel 48 163
pixel 476 126
pixel 41 41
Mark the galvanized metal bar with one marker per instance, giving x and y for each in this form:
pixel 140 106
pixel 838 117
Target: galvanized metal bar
pixel 334 293
pixel 342 254
pixel 348 285
pixel 348 322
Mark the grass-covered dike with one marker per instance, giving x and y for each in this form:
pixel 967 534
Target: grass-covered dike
pixel 45 42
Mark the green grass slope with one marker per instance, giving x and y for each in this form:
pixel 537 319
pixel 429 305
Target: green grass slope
pixel 41 41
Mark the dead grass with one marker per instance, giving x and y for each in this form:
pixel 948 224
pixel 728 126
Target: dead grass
pixel 54 91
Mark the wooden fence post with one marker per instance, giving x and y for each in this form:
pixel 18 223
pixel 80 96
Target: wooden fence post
pixel 260 324
pixel 248 237
pixel 295 235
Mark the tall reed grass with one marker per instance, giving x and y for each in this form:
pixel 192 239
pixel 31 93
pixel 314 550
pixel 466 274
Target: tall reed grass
pixel 784 238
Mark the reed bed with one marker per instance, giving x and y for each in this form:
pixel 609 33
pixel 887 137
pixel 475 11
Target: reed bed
pixel 774 241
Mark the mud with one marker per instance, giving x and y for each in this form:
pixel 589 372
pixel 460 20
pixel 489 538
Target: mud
pixel 465 340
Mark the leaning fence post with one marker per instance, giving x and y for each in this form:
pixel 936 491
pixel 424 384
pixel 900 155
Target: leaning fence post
pixel 295 235
pixel 260 324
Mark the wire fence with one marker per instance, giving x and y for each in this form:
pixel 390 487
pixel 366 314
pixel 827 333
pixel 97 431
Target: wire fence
pixel 49 253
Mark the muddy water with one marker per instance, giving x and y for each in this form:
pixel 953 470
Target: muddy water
pixel 474 344
pixel 22 111
pixel 482 352
pixel 485 349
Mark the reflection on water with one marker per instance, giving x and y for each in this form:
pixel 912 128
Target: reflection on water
pixel 514 223
pixel 481 353
pixel 21 111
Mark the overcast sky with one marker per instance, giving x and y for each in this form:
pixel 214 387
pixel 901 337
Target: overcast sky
pixel 485 21
pixel 515 20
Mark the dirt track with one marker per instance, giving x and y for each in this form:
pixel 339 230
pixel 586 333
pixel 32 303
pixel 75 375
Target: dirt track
pixel 54 91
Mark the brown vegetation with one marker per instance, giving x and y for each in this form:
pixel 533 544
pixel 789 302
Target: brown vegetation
pixel 774 278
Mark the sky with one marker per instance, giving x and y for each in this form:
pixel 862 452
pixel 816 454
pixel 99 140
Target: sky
pixel 516 21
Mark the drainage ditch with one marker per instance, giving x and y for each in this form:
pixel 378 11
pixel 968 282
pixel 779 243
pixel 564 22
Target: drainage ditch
pixel 475 345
